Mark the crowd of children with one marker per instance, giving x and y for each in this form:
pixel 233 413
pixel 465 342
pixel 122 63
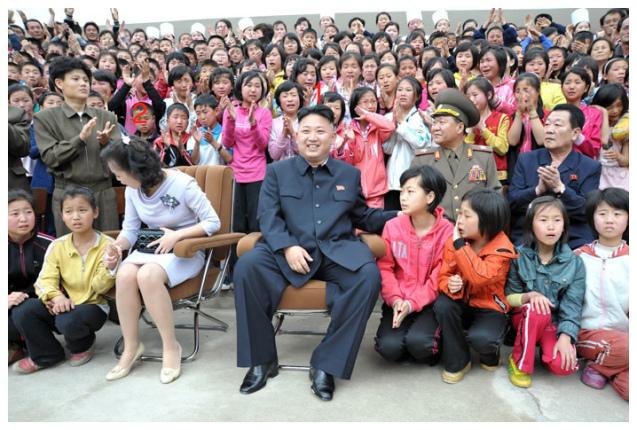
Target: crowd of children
pixel 549 106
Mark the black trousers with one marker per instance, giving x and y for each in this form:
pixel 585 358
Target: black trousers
pixel 417 337
pixel 14 334
pixel 392 200
pixel 36 325
pixel 246 201
pixel 485 332
pixel 350 297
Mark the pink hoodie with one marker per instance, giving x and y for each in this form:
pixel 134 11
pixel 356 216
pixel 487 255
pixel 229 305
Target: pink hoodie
pixel 409 270
pixel 366 153
pixel 248 143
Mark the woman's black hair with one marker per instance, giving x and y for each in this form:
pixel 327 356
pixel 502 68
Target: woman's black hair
pixel 177 106
pixel 467 47
pixel 415 86
pixel 535 82
pixel 361 50
pixel 607 94
pixel 610 63
pixel 407 58
pixel 17 88
pixel 494 213
pixel 445 74
pixel 583 74
pixel 334 97
pixel 483 84
pixel 390 66
pixel 405 46
pixel 536 206
pixel 320 110
pixel 300 67
pixel 587 62
pixel 500 55
pixel 356 96
pixel 72 191
pixel 372 56
pixel 136 158
pixel 342 35
pixel 564 52
pixel 118 68
pixel 249 43
pixel 603 39
pixel 18 194
pixel 47 94
pixel 382 13
pixel 179 72
pixel 392 53
pixel 325 60
pixel 349 55
pixel 434 63
pixel 106 76
pixel 414 35
pixel 303 19
pixel 245 78
pixel 512 55
pixel 333 46
pixel 179 56
pixel 616 198
pixel 271 47
pixel 286 86
pixel 392 23
pixel 218 73
pixel 430 180
pixel 299 47
pixel 314 54
pixel 381 35
pixel 63 65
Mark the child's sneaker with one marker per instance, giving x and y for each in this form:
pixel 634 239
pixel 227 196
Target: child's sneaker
pixel 455 377
pixel 16 352
pixel 593 378
pixel 518 377
pixel 81 357
pixel 25 366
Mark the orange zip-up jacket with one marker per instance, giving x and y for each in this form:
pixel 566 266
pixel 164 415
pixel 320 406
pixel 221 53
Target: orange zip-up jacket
pixel 484 274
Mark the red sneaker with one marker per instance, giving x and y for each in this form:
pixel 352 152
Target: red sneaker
pixel 81 357
pixel 25 366
pixel 593 378
pixel 15 353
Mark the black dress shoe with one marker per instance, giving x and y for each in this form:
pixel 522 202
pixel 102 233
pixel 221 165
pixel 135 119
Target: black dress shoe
pixel 257 376
pixel 322 384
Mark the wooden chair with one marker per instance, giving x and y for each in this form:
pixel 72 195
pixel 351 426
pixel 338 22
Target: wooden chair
pixel 217 182
pixel 310 298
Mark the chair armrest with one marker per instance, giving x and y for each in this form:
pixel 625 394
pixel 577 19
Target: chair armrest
pixel 247 243
pixel 188 247
pixel 376 244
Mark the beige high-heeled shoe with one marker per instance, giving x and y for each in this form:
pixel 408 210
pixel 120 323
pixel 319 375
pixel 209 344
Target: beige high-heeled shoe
pixel 118 372
pixel 168 375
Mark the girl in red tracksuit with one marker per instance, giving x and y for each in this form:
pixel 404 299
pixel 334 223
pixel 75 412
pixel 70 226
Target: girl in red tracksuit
pixel 362 146
pixel 409 270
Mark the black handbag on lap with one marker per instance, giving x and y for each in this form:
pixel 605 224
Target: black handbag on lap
pixel 146 236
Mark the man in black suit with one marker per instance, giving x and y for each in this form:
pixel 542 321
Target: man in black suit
pixel 309 206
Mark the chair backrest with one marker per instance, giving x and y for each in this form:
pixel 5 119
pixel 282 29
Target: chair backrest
pixel 217 182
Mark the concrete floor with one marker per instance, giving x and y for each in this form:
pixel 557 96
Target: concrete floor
pixel 208 389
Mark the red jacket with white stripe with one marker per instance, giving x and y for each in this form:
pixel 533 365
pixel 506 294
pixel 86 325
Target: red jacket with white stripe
pixel 607 289
pixel 409 270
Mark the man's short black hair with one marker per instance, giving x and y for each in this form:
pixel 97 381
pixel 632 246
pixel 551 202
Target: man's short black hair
pixel 494 214
pixel 320 110
pixel 429 179
pixel 356 18
pixel 179 56
pixel 206 100
pixel 576 118
pixel 61 66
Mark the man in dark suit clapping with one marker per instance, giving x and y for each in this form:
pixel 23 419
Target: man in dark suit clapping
pixel 309 206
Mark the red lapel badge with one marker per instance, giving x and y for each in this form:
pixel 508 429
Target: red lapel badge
pixel 573 177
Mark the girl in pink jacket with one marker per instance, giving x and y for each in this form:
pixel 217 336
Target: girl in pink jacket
pixel 246 129
pixel 410 267
pixel 362 145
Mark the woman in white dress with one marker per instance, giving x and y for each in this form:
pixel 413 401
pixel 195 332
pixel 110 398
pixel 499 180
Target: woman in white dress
pixel 160 198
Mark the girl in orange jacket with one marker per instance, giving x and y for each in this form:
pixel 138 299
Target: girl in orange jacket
pixel 474 271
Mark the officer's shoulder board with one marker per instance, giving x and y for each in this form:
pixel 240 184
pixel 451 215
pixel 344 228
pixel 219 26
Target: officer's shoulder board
pixel 480 148
pixel 428 151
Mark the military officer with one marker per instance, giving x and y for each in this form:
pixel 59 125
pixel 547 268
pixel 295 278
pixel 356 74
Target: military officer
pixel 464 166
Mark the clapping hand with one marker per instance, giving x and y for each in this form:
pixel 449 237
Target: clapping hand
pixel 550 176
pixel 104 135
pixel 402 308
